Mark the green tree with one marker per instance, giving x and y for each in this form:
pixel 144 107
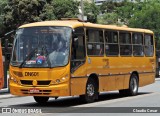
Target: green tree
pixel 18 12
pixel 109 12
pixel 126 11
pixel 47 12
pixel 91 11
pixel 147 17
pixel 65 8
pixel 108 18
pixel 3 3
pixel 109 6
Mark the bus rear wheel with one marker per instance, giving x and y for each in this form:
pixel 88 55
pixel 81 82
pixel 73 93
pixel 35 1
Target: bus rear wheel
pixel 41 100
pixel 91 91
pixel 133 87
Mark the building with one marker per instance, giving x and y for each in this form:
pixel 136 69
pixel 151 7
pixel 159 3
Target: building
pixel 99 2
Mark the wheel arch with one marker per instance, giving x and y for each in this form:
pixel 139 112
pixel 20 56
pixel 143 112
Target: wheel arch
pixel 135 72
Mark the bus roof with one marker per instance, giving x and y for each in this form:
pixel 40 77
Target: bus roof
pixel 76 23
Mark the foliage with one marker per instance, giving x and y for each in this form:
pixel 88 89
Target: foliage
pixel 3 3
pixel 147 17
pixel 144 14
pixel 109 12
pixel 22 11
pixel 47 12
pixel 91 11
pixel 108 18
pixel 65 8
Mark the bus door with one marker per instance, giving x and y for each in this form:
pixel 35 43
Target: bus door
pixel 78 64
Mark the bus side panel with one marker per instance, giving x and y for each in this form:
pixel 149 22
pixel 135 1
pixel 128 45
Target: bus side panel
pixel 78 86
pixel 126 81
pixel 1 69
pixel 148 75
pixel 120 82
pixel 107 83
pixel 145 79
pixel 111 83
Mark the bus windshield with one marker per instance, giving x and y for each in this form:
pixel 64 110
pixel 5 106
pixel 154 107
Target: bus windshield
pixel 41 47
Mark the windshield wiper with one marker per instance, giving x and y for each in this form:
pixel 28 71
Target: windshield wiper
pixel 28 57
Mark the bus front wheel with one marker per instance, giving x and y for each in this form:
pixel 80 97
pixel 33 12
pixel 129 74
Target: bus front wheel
pixel 41 100
pixel 91 91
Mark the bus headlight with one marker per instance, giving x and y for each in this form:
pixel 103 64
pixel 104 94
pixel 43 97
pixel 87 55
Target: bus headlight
pixel 14 80
pixel 57 81
pixel 64 78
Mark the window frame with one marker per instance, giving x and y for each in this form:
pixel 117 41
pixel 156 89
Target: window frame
pixel 152 39
pixel 99 43
pixel 107 43
pixel 142 44
pixel 125 44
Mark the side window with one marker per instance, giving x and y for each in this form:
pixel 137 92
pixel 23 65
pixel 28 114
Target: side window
pixel 95 43
pixel 111 46
pixel 125 44
pixel 148 45
pixel 78 49
pixel 137 41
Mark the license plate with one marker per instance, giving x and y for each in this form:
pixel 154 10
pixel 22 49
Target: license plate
pixel 33 90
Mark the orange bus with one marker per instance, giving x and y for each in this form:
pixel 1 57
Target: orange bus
pixel 70 57
pixel 1 68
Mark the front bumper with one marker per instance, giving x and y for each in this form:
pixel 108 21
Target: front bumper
pixel 54 90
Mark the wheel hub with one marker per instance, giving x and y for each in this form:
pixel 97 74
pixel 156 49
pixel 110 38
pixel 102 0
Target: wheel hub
pixel 134 85
pixel 90 90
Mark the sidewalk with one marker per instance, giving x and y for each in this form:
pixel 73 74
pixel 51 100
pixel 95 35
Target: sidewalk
pixel 4 90
pixel 4 94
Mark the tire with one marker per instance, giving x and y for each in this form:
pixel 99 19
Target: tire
pixel 41 100
pixel 91 93
pixel 133 87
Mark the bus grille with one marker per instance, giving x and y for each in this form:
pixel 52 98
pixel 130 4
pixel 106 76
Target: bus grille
pixel 41 92
pixel 40 82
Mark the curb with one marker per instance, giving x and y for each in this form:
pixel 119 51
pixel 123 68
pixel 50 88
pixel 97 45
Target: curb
pixel 5 90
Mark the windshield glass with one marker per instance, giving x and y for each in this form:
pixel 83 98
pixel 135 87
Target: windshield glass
pixel 41 47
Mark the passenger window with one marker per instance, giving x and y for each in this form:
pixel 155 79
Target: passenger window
pixel 148 45
pixel 111 45
pixel 137 40
pixel 95 43
pixel 125 44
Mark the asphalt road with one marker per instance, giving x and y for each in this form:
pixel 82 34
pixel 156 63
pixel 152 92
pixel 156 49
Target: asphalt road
pixel 147 102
